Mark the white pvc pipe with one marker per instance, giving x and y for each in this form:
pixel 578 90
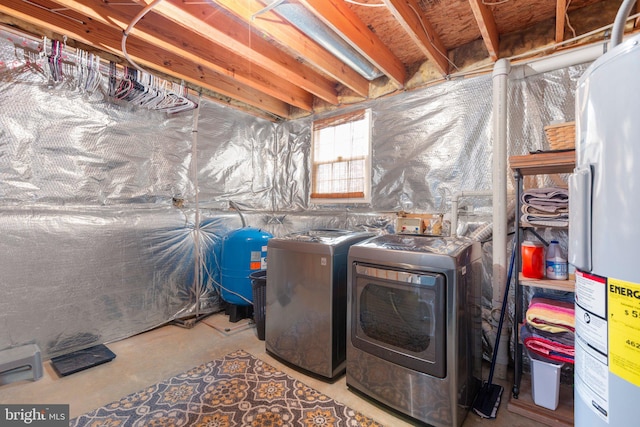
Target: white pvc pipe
pixel 560 60
pixel 500 77
pixel 454 206
pixel 578 55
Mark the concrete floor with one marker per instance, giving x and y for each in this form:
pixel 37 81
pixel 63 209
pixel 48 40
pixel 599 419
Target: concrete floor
pixel 166 351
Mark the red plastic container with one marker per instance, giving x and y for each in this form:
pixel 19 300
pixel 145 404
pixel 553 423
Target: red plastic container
pixel 533 260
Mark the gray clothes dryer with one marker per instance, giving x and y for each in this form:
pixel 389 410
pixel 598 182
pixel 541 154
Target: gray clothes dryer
pixel 306 299
pixel 415 325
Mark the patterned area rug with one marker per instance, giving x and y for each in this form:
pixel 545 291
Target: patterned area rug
pixel 237 390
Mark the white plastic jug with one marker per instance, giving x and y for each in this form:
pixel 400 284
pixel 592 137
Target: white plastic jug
pixel 556 263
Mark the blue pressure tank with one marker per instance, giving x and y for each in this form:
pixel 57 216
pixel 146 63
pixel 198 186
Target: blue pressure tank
pixel 244 251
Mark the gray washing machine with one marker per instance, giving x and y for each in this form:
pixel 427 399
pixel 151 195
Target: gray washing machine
pixel 306 299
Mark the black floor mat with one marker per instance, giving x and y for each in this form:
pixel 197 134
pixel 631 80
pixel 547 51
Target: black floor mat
pixel 82 359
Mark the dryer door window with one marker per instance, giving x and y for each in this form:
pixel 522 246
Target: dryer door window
pixel 399 316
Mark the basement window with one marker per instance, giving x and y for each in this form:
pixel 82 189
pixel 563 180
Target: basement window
pixel 341 159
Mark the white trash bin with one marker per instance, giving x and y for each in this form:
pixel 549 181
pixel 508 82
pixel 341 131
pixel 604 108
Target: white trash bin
pixel 545 382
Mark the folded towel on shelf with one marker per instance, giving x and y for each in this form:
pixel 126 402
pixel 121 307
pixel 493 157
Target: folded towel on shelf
pixel 546 221
pixel 560 349
pixel 566 338
pixel 547 196
pixel 550 211
pixel 556 221
pixel 551 315
pixel 566 297
pixel 547 206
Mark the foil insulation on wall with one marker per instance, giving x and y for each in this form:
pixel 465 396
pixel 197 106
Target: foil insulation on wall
pixel 432 144
pixel 98 198
pixel 74 276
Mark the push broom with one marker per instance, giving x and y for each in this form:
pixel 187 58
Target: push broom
pixel 488 398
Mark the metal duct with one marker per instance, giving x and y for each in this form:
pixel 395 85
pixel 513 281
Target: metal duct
pixel 306 22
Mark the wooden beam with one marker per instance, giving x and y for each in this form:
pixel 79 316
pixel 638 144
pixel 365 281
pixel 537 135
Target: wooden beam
pixel 157 31
pixel 225 32
pixel 337 15
pixel 87 31
pixel 407 13
pixel 487 24
pixel 277 28
pixel 561 10
pixel 544 163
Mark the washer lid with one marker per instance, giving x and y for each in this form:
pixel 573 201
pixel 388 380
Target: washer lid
pixel 326 236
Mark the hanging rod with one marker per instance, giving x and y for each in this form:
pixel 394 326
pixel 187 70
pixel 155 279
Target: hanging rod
pixel 161 94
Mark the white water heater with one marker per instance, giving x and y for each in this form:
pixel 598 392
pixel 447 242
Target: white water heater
pixel 604 238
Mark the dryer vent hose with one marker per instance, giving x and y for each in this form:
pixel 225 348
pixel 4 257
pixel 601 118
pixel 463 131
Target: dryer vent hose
pixel 486 231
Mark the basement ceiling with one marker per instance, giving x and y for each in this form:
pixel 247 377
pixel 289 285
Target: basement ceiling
pixel 246 54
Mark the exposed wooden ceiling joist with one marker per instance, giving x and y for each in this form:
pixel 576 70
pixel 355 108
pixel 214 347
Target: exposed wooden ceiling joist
pixel 561 8
pixel 249 56
pixel 421 31
pixel 109 40
pixel 336 15
pixel 91 31
pixel 488 29
pixel 194 49
pixel 227 33
pixel 255 15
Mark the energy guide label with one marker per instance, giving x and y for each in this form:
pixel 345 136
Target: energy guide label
pixel 591 343
pixel 624 329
